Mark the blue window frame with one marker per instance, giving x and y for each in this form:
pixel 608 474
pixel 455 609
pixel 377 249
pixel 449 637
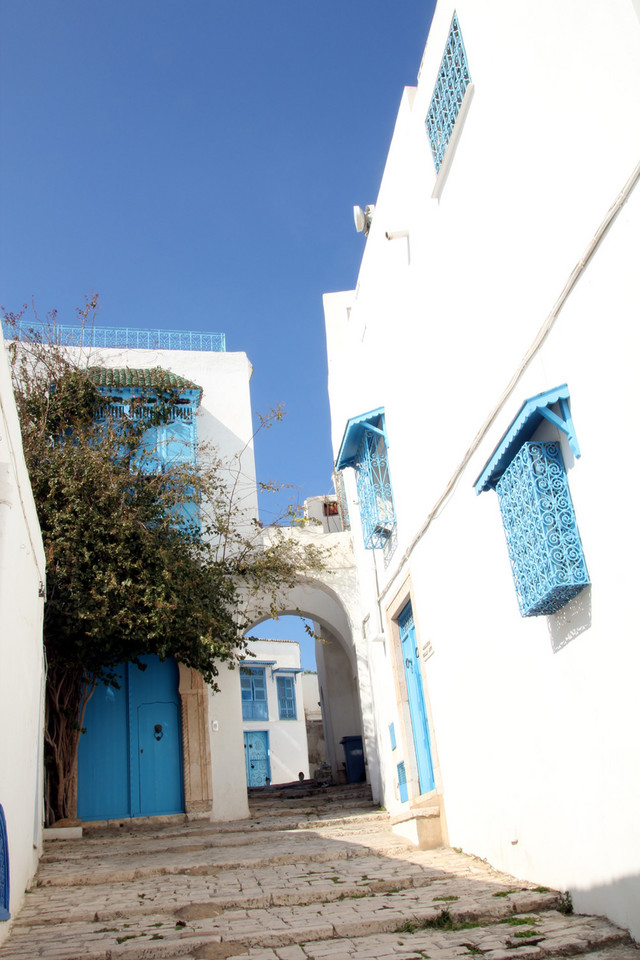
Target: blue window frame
pixel 253 688
pixel 286 698
pixel 364 447
pixel 448 94
pixel 529 476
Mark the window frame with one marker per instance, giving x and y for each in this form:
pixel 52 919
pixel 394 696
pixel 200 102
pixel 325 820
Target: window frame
pixel 253 680
pixel 287 705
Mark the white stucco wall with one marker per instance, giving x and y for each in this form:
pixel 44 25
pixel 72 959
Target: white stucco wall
pixel 227 749
pixel 289 754
pixel 534 722
pixel 22 578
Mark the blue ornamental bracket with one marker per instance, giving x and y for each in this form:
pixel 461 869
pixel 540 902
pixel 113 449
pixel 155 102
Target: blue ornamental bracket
pixel 563 423
pixel 522 428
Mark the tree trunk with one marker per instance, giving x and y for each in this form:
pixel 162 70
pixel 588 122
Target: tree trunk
pixel 68 692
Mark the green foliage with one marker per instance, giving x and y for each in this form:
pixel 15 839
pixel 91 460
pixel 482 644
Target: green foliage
pixel 126 575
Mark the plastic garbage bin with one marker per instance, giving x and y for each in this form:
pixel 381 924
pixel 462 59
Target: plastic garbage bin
pixel 354 758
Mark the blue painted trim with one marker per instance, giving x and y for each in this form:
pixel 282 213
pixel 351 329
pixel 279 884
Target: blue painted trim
pixel 531 414
pixel 392 736
pixel 4 868
pixel 353 436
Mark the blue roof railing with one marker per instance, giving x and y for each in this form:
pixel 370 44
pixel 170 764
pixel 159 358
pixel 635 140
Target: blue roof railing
pixel 133 338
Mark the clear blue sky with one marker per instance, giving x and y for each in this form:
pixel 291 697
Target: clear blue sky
pixel 195 163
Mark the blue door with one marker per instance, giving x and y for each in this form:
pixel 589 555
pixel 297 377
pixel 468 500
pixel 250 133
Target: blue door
pixel 130 758
pixel 256 758
pixel 417 706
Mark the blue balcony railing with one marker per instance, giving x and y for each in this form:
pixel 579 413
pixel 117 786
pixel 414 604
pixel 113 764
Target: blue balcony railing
pixel 123 337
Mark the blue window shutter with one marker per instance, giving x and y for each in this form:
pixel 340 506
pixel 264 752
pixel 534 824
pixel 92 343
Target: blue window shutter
pixel 286 698
pixel 402 783
pixel 253 689
pixel 392 735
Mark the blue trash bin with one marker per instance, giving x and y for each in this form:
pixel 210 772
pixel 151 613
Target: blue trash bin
pixel 354 759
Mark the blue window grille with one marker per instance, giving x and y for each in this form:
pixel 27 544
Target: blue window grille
pixel 402 783
pixel 253 689
pixel 364 447
pixel 544 544
pixel 286 698
pixel 448 94
pixel 4 868
pixel 392 736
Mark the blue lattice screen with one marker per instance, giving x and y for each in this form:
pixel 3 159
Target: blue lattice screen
pixel 403 790
pixel 451 84
pixel 374 490
pixel 540 526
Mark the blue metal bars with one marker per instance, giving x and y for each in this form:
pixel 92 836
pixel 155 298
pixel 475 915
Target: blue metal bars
pixel 448 94
pixel 374 488
pixel 122 337
pixel 539 522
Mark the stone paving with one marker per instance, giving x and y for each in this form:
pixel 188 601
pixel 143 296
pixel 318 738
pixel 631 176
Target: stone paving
pixel 309 879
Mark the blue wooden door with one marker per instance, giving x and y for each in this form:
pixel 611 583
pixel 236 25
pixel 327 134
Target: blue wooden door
pixel 130 758
pixel 417 705
pixel 256 758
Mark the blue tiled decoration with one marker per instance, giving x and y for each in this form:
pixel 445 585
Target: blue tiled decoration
pixel 540 526
pixel 451 84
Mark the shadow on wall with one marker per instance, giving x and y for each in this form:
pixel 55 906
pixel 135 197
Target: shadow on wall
pixel 571 621
pixel 619 899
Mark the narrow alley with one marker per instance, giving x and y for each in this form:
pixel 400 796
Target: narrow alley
pixel 316 877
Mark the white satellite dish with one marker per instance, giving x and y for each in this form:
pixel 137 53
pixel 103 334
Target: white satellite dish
pixel 359 218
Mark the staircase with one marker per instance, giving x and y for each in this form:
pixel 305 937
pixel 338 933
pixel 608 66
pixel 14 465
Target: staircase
pixel 314 874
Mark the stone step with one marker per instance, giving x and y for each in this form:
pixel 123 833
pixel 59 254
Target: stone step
pixel 348 934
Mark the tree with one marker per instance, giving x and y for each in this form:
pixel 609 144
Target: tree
pixel 129 572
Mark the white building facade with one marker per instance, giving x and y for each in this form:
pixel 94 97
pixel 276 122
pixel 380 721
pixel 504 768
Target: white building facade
pixel 22 585
pixel 273 720
pixel 482 381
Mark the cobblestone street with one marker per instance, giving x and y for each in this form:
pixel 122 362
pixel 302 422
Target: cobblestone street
pixel 317 878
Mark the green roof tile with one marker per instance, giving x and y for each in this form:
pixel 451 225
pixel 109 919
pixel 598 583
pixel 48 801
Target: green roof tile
pixel 155 378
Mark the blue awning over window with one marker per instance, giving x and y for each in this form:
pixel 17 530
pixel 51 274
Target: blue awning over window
pixel 525 424
pixel 353 436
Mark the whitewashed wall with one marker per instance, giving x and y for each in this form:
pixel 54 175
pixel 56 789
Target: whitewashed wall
pixel 289 755
pixel 22 578
pixel 534 722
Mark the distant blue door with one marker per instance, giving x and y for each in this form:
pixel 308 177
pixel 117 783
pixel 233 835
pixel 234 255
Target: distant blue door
pixel 256 758
pixel 130 758
pixel 417 706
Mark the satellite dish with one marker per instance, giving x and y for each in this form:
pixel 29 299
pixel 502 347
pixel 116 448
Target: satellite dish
pixel 359 218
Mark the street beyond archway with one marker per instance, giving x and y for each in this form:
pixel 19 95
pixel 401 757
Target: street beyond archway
pixel 309 877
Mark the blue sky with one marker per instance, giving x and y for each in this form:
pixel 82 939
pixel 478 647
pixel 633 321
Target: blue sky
pixel 195 163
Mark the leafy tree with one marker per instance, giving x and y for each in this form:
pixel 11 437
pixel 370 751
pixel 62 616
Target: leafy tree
pixel 127 573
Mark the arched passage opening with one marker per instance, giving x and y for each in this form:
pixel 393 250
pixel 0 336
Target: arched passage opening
pixel 343 678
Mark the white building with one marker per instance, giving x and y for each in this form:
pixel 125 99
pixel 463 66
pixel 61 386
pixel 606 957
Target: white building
pixel 497 307
pixel 273 720
pixel 22 585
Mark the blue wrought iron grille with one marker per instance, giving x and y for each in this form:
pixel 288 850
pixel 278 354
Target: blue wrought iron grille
pixel 123 337
pixel 451 84
pixel 540 526
pixel 373 482
pixel 254 693
pixel 286 698
pixel 402 783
